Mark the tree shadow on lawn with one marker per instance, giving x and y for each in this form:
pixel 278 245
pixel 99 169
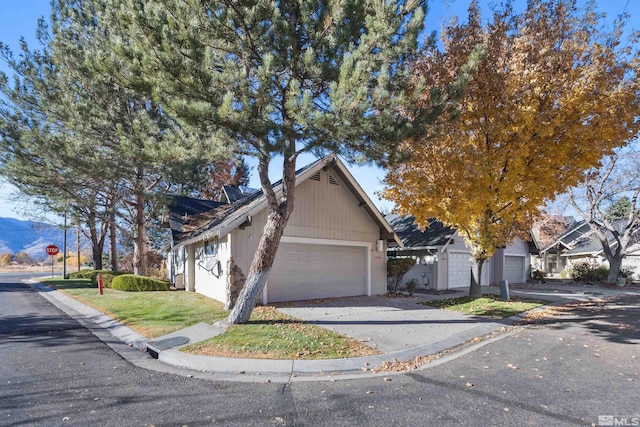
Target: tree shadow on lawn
pixel 615 319
pixel 69 284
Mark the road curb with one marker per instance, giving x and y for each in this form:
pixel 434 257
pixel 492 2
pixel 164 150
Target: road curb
pixel 132 347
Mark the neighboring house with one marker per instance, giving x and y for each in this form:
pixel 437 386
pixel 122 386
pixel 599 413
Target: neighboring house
pixel 579 244
pixel 443 258
pixel 334 244
pixel 550 257
pixel 589 249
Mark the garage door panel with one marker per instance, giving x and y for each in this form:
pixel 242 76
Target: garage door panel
pixel 307 271
pixel 459 270
pixel 514 269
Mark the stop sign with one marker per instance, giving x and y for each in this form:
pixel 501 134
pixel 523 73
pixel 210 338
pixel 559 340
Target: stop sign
pixel 52 250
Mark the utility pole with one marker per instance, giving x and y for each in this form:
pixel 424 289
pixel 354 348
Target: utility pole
pixel 64 249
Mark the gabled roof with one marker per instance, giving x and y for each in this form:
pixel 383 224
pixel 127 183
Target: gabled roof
pixel 589 244
pixel 226 217
pixel 436 235
pixel 571 235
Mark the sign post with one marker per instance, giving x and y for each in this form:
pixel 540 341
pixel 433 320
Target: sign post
pixel 52 250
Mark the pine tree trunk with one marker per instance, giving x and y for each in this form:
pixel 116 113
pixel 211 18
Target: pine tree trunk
pixel 615 265
pixel 96 243
pixel 140 264
pixel 260 268
pixel 277 218
pixel 113 241
pixel 476 277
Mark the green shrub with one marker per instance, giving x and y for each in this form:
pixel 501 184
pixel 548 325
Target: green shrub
pixel 536 274
pixel 396 269
pixel 584 272
pixel 134 283
pixel 82 274
pixel 107 276
pixel 411 286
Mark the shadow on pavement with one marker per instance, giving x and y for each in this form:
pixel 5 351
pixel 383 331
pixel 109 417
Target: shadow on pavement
pixel 616 318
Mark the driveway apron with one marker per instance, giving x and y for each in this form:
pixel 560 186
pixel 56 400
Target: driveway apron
pixel 389 324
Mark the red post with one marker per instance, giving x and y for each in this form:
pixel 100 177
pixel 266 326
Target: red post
pixel 100 284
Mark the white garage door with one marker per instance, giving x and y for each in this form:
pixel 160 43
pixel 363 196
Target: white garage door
pixel 305 271
pixel 514 269
pixel 459 270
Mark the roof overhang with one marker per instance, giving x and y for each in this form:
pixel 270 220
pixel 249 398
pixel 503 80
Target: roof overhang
pixel 239 217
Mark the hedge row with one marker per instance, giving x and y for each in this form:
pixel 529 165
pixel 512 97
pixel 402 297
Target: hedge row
pixel 107 276
pixel 134 283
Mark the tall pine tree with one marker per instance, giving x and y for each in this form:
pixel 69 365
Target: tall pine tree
pixel 273 79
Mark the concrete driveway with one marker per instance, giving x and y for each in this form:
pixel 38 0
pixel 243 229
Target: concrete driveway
pixel 390 324
pixel 399 323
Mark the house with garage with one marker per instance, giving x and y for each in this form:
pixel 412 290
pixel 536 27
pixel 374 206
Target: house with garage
pixel 443 258
pixel 334 244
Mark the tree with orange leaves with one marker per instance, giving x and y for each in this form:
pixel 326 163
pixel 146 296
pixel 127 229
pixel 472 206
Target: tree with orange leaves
pixel 554 93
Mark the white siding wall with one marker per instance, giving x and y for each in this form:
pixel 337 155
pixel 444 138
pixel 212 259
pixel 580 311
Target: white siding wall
pixel 206 282
pixel 424 272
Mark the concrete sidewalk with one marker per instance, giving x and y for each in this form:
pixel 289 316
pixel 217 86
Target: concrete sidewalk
pixel 399 327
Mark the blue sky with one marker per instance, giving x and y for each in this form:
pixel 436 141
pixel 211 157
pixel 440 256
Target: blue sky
pixel 20 17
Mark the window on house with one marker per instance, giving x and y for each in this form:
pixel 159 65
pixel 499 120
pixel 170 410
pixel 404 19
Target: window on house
pixel 211 247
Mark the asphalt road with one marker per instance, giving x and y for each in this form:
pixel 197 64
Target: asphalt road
pixel 561 372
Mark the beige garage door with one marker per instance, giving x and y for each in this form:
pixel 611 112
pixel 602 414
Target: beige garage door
pixel 514 269
pixel 304 271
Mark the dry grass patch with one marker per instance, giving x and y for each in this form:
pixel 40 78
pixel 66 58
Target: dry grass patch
pixel 270 334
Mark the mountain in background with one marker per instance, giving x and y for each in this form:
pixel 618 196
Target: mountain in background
pixel 31 237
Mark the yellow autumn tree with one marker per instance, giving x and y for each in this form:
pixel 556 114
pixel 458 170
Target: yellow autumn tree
pixel 554 92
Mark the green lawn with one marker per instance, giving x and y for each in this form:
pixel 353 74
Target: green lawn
pixel 153 314
pixel 269 334
pixel 487 305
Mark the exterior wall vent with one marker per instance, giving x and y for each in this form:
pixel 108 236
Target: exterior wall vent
pixel 332 180
pixel 315 176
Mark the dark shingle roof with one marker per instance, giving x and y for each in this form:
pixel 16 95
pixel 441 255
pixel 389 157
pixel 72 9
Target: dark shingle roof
pixel 587 245
pixel 411 235
pixel 234 193
pixel 579 229
pixel 183 209
pixel 590 244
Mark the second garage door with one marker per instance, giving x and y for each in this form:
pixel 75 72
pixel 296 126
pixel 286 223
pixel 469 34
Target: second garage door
pixel 459 270
pixel 308 271
pixel 514 269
